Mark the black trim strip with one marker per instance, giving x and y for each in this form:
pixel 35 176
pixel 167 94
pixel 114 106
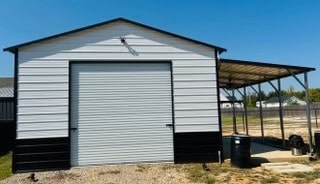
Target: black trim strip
pixel 11 49
pixel 217 60
pixel 197 147
pixel 69 108
pixel 173 110
pixel 41 154
pixel 15 110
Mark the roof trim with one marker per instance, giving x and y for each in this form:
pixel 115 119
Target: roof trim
pixel 254 63
pixel 13 48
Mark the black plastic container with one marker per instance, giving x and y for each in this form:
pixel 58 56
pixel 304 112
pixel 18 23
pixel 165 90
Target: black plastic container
pixel 240 151
pixel 317 142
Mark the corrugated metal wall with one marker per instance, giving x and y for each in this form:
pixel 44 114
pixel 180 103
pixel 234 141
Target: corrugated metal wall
pixel 43 76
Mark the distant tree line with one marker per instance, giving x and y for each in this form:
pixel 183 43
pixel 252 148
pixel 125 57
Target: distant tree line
pixel 314 94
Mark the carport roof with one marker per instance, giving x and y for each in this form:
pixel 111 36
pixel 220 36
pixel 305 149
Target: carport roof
pixel 239 73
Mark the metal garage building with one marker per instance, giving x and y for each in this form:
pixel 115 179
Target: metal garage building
pixel 115 92
pixel 124 92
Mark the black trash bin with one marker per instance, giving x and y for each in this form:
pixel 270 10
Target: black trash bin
pixel 240 151
pixel 317 142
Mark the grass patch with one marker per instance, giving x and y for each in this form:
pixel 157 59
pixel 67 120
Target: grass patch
pixel 270 179
pixel 62 175
pixel 197 173
pixel 225 173
pixel 5 166
pixel 169 166
pixel 141 168
pixel 307 175
pixel 228 120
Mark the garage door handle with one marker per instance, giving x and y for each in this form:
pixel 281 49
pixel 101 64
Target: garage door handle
pixel 169 125
pixel 73 128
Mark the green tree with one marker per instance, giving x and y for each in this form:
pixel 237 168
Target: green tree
pixel 314 94
pixel 300 94
pixel 275 94
pixel 263 95
pixel 253 98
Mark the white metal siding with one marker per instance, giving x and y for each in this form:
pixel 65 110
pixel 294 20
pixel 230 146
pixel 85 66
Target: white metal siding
pixel 43 74
pixel 121 112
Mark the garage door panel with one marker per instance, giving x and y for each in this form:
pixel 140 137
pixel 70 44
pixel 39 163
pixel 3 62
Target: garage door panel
pixel 121 111
pixel 120 160
pixel 125 148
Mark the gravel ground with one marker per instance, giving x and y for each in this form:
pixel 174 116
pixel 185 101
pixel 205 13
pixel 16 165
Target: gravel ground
pixel 167 174
pixel 143 173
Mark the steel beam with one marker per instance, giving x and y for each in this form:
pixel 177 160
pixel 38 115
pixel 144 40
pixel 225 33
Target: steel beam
pixel 297 79
pixel 226 91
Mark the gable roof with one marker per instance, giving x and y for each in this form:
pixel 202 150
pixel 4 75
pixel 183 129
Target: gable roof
pixel 15 47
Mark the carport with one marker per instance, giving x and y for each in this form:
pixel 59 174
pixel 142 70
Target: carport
pixel 238 75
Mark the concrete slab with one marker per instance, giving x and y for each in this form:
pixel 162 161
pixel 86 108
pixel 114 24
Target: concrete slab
pixel 285 167
pixel 261 153
pixel 279 155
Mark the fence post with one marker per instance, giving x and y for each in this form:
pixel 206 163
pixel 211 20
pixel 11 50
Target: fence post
pixel 316 116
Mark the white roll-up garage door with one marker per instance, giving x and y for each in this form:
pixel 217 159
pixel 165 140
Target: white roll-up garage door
pixel 120 112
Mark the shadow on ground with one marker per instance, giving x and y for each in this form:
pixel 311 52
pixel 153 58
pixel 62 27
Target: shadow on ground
pixel 256 148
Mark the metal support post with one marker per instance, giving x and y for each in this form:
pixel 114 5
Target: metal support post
pixel 281 113
pixel 243 113
pixel 308 110
pixel 234 114
pixel 245 109
pixel 261 114
pixel 316 116
pixel 305 85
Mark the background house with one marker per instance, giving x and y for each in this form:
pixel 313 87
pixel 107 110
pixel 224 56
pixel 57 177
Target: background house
pixel 6 114
pixel 6 99
pixel 286 101
pixel 226 102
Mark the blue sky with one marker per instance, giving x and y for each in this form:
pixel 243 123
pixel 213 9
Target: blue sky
pixel 282 32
